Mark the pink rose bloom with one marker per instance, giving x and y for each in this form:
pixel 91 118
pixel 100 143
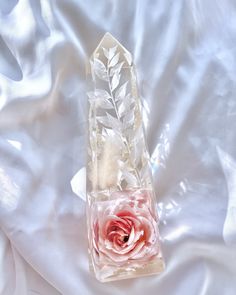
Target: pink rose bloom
pixel 125 229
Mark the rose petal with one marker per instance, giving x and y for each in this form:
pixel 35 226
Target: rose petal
pixel 137 249
pixel 127 214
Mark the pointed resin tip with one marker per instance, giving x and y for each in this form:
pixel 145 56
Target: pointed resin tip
pixel 121 207
pixel 110 42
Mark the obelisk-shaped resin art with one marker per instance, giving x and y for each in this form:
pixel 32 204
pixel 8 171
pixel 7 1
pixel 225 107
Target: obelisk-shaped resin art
pixel 122 218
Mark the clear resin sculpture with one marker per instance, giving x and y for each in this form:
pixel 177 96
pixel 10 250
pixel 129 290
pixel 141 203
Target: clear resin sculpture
pixel 121 207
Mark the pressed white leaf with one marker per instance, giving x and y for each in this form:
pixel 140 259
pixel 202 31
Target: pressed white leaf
pixel 121 109
pixel 112 51
pixel 105 104
pixel 109 121
pixel 128 57
pixel 101 103
pixel 115 81
pixel 129 101
pixel 110 132
pixel 106 52
pixel 121 91
pixel 104 121
pixel 115 134
pixel 98 93
pixel 129 133
pixel 128 118
pixel 100 98
pixel 100 69
pixel 101 93
pixel 91 95
pixel 124 105
pixel 114 60
pixel 116 69
pixel 114 123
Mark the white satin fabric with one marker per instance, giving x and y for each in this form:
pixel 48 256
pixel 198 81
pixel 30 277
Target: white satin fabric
pixel 184 53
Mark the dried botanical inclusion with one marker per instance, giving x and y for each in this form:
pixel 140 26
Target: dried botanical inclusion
pixel 122 219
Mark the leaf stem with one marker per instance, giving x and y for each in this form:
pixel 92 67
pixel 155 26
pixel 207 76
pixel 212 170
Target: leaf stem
pixel 112 98
pixel 123 138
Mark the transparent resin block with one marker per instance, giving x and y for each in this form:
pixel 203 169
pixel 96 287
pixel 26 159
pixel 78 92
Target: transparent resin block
pixel 121 206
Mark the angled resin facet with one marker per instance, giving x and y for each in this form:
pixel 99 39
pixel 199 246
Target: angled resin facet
pixel 121 206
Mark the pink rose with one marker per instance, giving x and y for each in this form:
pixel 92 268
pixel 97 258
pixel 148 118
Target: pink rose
pixel 124 229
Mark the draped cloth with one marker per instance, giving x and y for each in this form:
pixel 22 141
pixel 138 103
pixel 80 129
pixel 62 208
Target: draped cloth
pixel 184 52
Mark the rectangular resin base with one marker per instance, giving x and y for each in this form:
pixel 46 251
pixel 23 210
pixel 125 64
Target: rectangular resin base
pixel 123 235
pixel 153 268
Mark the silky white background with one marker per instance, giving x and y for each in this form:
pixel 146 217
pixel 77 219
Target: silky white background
pixel 185 56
